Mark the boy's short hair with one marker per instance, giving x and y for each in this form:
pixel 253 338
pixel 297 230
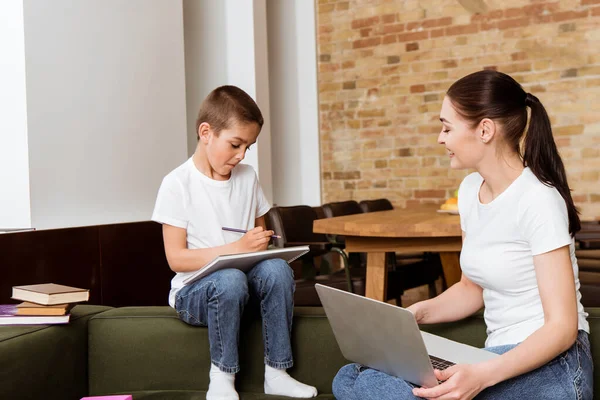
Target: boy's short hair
pixel 227 105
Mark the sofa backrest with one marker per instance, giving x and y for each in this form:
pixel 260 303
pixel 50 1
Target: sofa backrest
pixel 121 264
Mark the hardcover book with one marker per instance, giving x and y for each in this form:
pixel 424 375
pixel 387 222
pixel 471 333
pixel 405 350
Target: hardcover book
pixel 50 294
pixel 27 308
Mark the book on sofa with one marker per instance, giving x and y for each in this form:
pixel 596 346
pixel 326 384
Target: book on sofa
pixel 9 316
pixel 50 294
pixel 245 261
pixel 27 308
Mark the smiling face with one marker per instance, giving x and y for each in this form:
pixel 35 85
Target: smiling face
pixel 227 149
pixel 463 144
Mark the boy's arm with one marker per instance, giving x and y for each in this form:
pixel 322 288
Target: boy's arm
pixel 182 259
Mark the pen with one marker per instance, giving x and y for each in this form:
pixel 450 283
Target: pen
pixel 244 231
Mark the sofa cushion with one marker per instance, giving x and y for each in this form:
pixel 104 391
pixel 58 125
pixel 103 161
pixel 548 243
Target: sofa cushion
pixel 148 349
pixel 46 361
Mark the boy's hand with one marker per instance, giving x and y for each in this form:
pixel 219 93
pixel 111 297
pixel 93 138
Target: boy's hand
pixel 256 239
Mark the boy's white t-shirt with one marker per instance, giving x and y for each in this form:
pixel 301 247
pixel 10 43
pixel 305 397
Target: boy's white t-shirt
pixel 527 219
pixel 190 200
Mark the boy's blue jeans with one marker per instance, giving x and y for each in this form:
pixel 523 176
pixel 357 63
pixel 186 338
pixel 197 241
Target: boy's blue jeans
pixel 218 301
pixel 568 376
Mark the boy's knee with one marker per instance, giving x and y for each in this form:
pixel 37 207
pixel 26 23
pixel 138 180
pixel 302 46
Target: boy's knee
pixel 276 272
pixel 231 285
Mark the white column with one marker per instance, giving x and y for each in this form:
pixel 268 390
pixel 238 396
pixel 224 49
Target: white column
pixel 294 102
pixel 248 68
pixel 226 44
pixel 205 56
pixel 14 158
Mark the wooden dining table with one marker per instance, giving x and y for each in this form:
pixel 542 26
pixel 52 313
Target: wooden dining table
pixel 415 229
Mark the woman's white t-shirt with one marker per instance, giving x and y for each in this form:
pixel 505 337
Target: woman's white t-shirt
pixel 190 200
pixel 527 219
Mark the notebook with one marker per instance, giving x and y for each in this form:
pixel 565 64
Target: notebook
pixel 50 294
pixel 245 261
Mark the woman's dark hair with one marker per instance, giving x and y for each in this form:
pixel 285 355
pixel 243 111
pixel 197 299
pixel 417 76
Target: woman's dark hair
pixel 227 105
pixel 497 96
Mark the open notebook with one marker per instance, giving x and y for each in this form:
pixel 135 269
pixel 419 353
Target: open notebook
pixel 245 261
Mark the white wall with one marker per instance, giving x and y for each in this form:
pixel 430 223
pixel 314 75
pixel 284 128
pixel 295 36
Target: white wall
pixel 14 163
pixel 294 102
pixel 106 107
pixel 100 116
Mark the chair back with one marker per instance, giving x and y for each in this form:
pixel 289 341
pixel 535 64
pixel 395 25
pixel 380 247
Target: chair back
pixel 340 208
pixel 294 224
pixel 375 205
pixel 319 211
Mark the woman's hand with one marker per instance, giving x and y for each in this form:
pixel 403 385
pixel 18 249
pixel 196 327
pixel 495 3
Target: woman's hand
pixel 459 382
pixel 256 239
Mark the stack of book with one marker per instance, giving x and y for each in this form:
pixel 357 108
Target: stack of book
pixel 46 303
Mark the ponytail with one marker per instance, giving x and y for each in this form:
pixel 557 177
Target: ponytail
pixel 542 158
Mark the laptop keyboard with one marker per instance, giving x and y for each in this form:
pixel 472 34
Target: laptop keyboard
pixel 439 363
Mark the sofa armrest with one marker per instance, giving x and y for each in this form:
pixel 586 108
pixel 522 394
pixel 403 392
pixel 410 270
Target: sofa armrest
pixel 46 361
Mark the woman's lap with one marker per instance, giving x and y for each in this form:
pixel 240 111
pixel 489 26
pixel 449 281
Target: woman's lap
pixel 568 376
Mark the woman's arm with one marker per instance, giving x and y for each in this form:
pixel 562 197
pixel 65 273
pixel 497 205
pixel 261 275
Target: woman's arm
pixel 556 283
pixel 459 301
pixel 182 259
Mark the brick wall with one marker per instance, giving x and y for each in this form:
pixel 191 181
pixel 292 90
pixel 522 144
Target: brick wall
pixel 384 66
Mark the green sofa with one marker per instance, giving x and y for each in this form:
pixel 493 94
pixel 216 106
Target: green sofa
pixel 148 352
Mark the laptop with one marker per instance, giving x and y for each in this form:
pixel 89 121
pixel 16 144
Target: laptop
pixel 387 338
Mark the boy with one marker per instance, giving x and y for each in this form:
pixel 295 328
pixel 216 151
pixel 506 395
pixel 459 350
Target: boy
pixel 209 191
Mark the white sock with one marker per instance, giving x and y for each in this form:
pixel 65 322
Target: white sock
pixel 277 381
pixel 221 386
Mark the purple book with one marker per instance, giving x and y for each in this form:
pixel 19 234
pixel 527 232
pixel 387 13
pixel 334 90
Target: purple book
pixel 8 316
pixel 119 397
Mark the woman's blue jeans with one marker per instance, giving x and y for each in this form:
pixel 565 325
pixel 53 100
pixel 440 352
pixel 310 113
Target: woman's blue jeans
pixel 568 376
pixel 218 300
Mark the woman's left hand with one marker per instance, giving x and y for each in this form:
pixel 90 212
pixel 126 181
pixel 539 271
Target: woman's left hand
pixel 461 381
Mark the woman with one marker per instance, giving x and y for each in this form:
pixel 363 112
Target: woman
pixel 518 257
